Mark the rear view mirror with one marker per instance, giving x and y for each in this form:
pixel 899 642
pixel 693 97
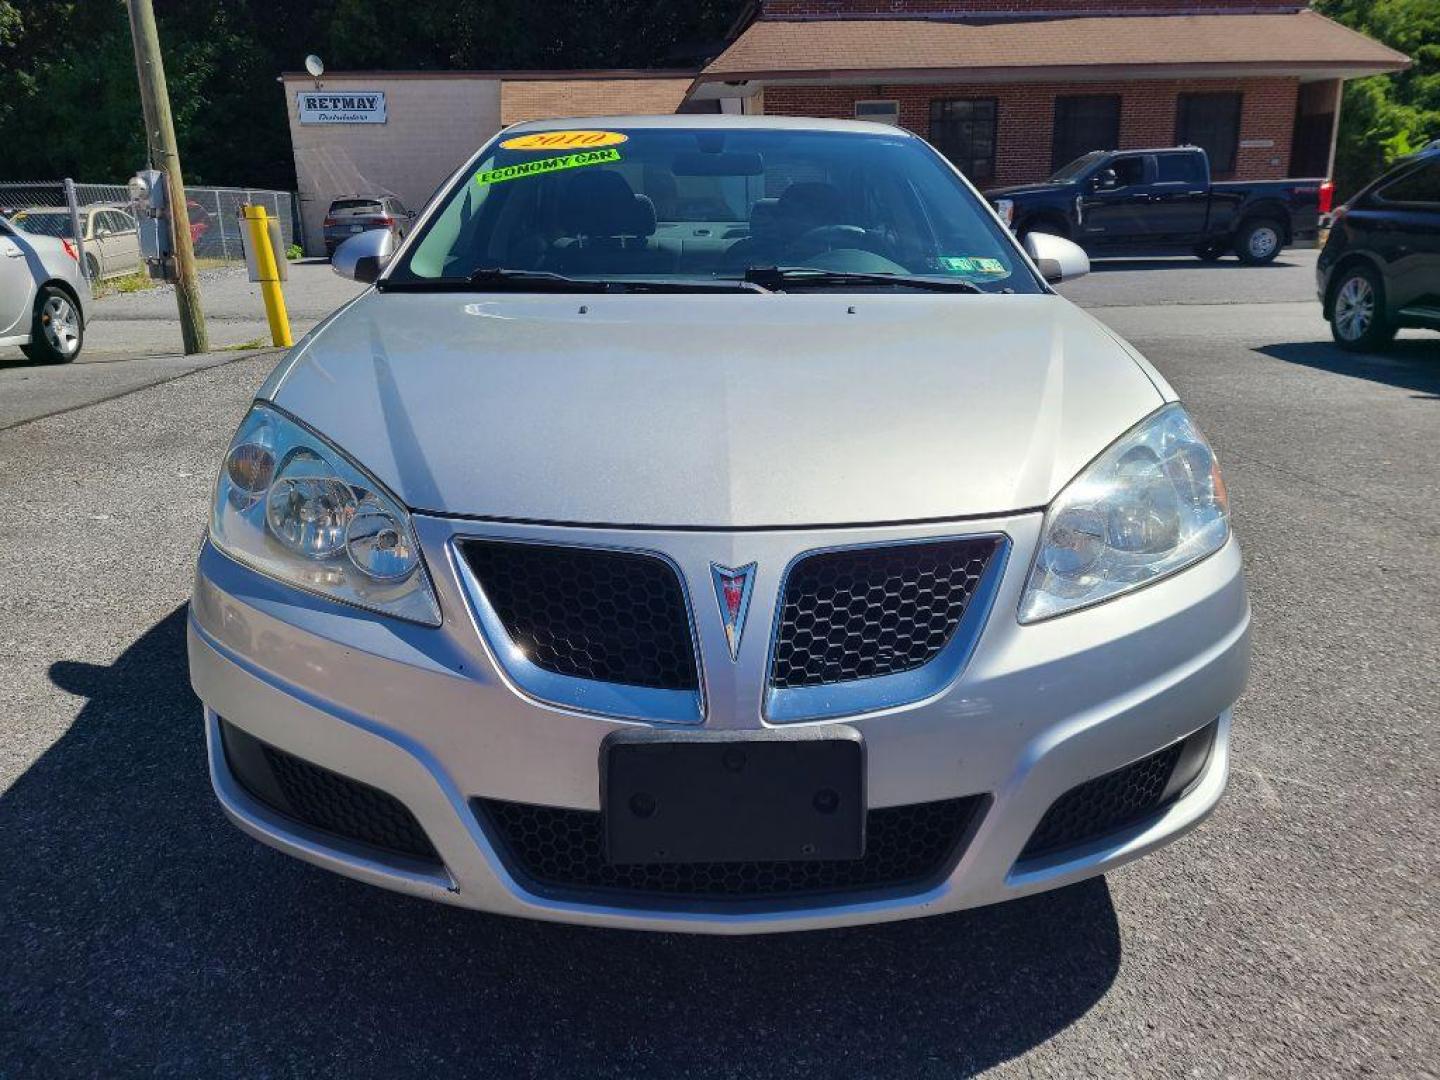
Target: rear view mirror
pixel 694 163
pixel 364 255
pixel 1104 180
pixel 1056 258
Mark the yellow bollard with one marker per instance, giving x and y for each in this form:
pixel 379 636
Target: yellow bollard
pixel 267 274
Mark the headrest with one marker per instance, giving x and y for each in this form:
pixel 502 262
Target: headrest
pixel 764 215
pixel 597 202
pixel 811 201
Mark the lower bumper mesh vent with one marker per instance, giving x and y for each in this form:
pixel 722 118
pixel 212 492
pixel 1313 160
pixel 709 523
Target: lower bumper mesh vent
pixel 557 849
pixel 1121 798
pixel 323 799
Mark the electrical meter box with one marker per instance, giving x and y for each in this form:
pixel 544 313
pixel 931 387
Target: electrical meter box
pixel 152 215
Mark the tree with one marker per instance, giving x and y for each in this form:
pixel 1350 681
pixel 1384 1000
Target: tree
pixel 1385 117
pixel 69 105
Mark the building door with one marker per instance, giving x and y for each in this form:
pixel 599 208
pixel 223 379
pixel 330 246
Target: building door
pixel 1314 125
pixel 963 129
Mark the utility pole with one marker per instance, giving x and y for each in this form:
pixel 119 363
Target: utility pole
pixel 164 154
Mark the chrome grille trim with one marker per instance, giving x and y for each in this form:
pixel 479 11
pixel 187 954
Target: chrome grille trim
pixel 618 700
pixel 852 698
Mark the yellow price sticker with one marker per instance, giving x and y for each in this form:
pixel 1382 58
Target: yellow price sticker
pixel 564 140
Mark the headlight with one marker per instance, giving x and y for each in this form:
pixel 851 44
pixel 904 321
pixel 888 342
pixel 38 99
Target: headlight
pixel 1006 209
pixel 294 507
pixel 1152 504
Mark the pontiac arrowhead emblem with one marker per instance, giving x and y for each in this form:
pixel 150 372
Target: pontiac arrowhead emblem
pixel 732 592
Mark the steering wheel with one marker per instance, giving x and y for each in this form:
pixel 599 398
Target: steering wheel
pixel 829 237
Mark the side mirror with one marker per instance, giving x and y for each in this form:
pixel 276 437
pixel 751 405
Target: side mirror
pixel 1104 180
pixel 1056 258
pixel 363 256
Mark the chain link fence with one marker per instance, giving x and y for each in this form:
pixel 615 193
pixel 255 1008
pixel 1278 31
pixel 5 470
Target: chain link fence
pixel 109 236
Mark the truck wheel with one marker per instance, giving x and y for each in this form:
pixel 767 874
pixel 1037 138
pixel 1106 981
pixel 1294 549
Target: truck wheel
pixel 56 333
pixel 1258 242
pixel 1357 313
pixel 1210 252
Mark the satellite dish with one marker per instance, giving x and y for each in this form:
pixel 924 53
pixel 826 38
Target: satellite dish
pixel 314 66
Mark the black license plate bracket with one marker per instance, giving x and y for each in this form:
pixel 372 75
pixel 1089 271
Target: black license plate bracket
pixel 712 797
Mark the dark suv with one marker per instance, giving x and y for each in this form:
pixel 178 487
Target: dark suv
pixel 360 213
pixel 1380 269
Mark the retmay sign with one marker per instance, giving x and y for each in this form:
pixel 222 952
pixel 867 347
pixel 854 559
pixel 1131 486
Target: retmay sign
pixel 341 106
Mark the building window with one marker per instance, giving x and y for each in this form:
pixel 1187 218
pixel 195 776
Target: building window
pixel 879 112
pixel 963 129
pixel 1212 122
pixel 1084 122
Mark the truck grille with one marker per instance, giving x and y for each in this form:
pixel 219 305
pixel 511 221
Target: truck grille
pixel 590 613
pixel 557 849
pixel 866 612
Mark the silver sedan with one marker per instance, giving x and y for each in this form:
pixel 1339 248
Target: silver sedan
pixel 716 524
pixel 43 296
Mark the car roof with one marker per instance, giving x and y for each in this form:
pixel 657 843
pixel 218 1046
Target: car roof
pixel 713 121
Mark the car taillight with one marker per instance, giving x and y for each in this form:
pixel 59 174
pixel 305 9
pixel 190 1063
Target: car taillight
pixel 1327 196
pixel 385 221
pixel 70 249
pixel 330 221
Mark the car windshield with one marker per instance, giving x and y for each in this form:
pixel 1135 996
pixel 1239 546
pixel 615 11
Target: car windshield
pixel 1076 167
pixel 45 223
pixel 697 206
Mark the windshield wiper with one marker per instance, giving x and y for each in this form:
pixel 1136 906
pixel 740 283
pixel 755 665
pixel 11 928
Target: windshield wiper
pixel 502 278
pixel 777 277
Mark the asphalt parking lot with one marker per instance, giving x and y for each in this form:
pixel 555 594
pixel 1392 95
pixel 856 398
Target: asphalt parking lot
pixel 1294 934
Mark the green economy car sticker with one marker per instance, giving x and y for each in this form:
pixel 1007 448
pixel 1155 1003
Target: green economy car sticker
pixel 971 264
pixel 546 165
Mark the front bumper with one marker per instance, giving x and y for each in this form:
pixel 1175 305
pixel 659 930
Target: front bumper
pixel 428 717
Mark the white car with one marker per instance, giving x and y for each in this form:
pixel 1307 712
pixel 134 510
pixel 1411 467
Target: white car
pixel 43 296
pixel 716 524
pixel 112 239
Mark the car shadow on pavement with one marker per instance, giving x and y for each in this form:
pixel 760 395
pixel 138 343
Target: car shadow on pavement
pixel 1409 363
pixel 143 933
pixel 1104 263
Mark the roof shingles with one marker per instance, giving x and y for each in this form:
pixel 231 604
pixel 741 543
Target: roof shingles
pixel 777 48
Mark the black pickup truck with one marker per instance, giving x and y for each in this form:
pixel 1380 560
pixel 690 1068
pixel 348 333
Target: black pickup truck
pixel 1113 201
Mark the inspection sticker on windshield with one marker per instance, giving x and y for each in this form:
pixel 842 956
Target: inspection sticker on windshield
pixel 564 140
pixel 970 264
pixel 541 166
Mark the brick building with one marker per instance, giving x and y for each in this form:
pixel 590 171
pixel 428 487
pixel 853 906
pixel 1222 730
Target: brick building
pixel 1011 90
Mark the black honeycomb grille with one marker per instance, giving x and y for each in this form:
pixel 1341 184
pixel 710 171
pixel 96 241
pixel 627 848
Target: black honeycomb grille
pixel 347 807
pixel 613 616
pixel 867 612
pixel 1106 804
pixel 562 849
pixel 323 799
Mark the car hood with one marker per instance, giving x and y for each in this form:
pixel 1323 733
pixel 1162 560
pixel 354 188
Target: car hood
pixel 1028 189
pixel 716 411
